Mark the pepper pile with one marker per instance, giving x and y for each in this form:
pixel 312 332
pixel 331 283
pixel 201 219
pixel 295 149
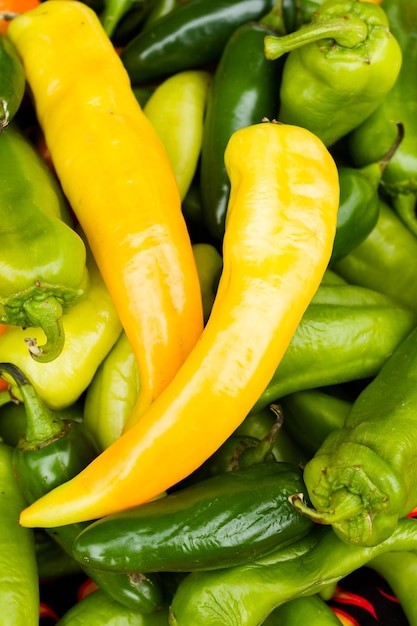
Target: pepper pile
pixel 208 341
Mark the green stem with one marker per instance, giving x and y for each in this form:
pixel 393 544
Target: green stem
pixel 347 31
pixel 45 314
pixel 351 506
pixel 42 426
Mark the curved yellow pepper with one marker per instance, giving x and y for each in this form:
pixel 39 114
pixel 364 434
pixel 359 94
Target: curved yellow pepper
pixel 117 177
pixel 280 228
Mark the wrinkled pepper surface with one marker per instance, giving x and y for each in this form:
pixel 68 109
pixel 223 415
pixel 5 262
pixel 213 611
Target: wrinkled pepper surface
pixel 339 68
pixel 43 260
pixel 361 478
pixel 118 179
pixel 284 187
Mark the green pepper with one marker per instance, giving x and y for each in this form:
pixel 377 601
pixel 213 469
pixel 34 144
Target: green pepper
pixel 311 610
pixel 43 260
pixel 98 609
pixel 112 394
pixel 373 138
pixel 12 82
pixel 92 327
pixel 386 260
pixel 52 561
pixel 176 110
pixel 339 68
pixel 243 92
pixel 158 9
pixel 247 594
pixel 51 452
pixel 209 265
pixel 361 479
pixel 19 592
pixel 191 36
pixel 312 414
pixel 114 10
pixel 216 523
pixel 347 333
pixel 400 571
pixel 358 211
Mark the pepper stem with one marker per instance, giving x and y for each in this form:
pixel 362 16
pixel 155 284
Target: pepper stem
pixel 349 507
pixel 42 425
pixel 45 314
pixel 347 31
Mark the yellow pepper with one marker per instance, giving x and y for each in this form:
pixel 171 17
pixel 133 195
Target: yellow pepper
pixel 280 227
pixel 117 177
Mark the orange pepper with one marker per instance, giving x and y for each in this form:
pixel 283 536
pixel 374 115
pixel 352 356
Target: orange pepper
pixel 15 7
pixel 119 182
pixel 280 228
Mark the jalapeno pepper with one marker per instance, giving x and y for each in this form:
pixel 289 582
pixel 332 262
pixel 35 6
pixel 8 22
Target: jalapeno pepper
pixel 374 137
pixel 339 68
pixel 51 452
pixel 284 183
pixel 91 329
pixel 386 261
pixel 243 92
pixel 43 260
pixel 191 36
pixel 247 594
pixel 131 215
pixel 218 522
pixel 19 590
pixel 360 480
pixel 12 82
pixel 310 610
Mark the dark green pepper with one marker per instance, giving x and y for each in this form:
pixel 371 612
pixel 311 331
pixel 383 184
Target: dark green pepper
pixel 43 260
pixel 51 452
pixel 374 137
pixel 12 82
pixel 358 211
pixel 191 36
pixel 347 333
pixel 218 522
pixel 386 261
pixel 114 10
pixel 243 92
pixel 339 68
pixel 361 479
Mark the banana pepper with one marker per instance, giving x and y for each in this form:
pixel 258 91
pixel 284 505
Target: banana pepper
pixel 117 177
pixel 280 227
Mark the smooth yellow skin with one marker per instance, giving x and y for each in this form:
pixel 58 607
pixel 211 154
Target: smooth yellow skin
pixel 117 177
pixel 279 235
pixel 176 110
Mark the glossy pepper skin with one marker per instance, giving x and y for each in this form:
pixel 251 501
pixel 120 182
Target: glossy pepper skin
pixel 310 610
pixel 43 260
pixel 91 329
pixel 218 522
pixel 50 452
pixel 375 136
pixel 386 261
pixel 19 584
pixel 96 131
pixel 248 593
pixel 273 284
pixel 339 68
pixel 12 82
pixel 345 334
pixel 358 211
pixel 176 109
pixel 188 37
pixel 360 480
pixel 243 92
